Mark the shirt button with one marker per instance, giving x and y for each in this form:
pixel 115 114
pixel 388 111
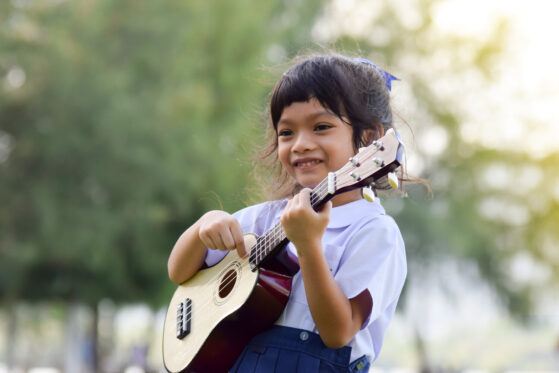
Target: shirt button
pixel 304 336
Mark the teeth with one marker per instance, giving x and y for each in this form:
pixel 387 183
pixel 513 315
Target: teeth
pixel 307 164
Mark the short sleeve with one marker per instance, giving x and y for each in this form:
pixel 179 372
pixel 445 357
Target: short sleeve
pixel 374 260
pixel 255 219
pixel 214 256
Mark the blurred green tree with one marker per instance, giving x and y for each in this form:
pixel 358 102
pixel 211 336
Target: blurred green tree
pixel 493 208
pixel 120 123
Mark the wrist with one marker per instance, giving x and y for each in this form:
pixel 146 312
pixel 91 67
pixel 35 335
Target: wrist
pixel 308 248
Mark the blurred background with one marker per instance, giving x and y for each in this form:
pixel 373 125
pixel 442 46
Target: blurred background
pixel 121 122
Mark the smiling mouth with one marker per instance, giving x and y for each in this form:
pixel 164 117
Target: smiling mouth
pixel 306 163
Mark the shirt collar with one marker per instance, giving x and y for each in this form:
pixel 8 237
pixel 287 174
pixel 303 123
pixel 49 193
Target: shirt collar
pixel 351 212
pixel 347 214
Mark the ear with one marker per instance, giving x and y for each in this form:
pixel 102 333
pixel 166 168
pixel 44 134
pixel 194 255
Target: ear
pixel 370 135
pixel 380 131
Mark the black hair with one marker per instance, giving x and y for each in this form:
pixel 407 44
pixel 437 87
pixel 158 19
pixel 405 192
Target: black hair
pixel 351 89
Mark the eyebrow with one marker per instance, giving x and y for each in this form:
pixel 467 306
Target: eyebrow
pixel 310 116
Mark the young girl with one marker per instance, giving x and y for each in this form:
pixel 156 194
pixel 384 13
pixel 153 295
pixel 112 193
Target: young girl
pixel 351 254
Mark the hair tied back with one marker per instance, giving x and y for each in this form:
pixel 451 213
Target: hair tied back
pixel 388 78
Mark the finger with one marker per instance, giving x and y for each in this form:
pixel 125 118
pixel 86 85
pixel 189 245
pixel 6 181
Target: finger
pixel 326 209
pixel 208 241
pixel 305 193
pixel 324 212
pixel 289 206
pixel 297 200
pixel 237 234
pixel 304 200
pixel 227 238
pixel 212 237
pixel 306 197
pixel 294 200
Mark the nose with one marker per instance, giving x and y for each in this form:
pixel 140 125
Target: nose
pixel 303 142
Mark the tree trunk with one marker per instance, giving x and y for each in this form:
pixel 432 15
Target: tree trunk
pixel 424 365
pixel 105 335
pixel 94 338
pixel 72 359
pixel 11 333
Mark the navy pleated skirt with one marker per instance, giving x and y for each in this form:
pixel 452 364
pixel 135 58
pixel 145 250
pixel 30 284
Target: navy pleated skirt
pixel 283 349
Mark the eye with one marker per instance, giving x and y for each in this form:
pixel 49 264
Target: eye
pixel 322 127
pixel 284 133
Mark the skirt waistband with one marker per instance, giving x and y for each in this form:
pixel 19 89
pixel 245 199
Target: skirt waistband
pixel 301 340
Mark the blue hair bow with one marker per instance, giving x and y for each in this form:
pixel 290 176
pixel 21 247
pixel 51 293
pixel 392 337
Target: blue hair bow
pixel 388 78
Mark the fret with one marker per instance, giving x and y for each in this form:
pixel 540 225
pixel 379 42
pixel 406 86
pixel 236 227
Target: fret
pixel 269 241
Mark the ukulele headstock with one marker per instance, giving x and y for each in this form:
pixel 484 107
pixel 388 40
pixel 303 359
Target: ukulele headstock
pixel 371 164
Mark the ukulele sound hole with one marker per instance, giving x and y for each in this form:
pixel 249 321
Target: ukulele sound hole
pixel 227 283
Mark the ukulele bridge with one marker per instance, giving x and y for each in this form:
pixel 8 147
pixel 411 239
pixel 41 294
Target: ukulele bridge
pixel 184 316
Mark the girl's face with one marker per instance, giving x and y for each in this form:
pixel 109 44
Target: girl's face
pixel 312 142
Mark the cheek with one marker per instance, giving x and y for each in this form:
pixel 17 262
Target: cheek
pixel 283 156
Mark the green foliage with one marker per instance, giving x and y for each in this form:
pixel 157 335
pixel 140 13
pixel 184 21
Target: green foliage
pixel 134 118
pixel 130 121
pixel 489 207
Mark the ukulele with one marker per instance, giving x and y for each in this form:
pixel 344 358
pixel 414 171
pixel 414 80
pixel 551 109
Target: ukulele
pixel 213 315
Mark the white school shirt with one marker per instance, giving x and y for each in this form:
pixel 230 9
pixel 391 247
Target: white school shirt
pixel 364 250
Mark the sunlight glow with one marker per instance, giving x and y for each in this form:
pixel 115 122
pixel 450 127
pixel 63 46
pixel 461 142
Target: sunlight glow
pixel 503 210
pixel 517 108
pixel 433 140
pixel 526 269
pixel 519 111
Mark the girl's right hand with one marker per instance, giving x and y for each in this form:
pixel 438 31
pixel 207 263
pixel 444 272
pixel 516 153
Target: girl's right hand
pixel 219 230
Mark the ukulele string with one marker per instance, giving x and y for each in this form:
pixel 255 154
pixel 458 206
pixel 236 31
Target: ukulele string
pixel 276 232
pixel 261 247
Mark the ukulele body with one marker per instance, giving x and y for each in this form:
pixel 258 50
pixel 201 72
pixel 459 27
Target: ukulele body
pixel 229 303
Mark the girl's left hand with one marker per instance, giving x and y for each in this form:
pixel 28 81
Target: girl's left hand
pixel 302 225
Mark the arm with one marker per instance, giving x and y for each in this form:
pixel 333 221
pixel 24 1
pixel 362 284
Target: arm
pixel 215 230
pixel 337 318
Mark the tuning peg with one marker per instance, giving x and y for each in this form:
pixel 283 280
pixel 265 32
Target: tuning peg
pixel 355 161
pixel 368 194
pixel 393 180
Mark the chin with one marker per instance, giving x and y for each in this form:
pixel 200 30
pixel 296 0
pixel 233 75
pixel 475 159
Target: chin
pixel 309 184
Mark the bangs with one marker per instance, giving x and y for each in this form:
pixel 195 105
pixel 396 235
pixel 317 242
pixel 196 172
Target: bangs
pixel 315 78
